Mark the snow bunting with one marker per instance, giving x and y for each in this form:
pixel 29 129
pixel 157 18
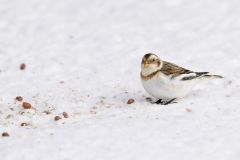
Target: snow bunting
pixel 167 81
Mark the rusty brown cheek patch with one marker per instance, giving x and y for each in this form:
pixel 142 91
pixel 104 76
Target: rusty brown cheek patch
pixel 158 63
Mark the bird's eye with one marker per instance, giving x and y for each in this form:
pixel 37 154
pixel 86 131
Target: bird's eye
pixel 153 60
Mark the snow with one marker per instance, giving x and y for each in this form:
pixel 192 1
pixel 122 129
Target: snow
pixel 83 57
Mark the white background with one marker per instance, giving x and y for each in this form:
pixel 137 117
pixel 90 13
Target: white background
pixel 95 47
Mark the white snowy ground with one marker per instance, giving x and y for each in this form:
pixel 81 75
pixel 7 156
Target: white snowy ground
pixel 95 48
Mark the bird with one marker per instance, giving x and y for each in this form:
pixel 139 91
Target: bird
pixel 167 81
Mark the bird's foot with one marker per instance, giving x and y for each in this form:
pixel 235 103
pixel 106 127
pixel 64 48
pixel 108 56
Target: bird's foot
pixel 170 101
pixel 160 101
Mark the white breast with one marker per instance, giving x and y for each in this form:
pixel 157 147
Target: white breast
pixel 163 87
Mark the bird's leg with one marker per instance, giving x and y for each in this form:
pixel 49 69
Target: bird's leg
pixel 169 102
pixel 159 101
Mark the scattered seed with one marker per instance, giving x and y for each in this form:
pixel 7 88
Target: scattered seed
pixel 26 105
pixel 130 101
pixel 19 98
pixel 5 134
pixel 65 114
pixel 24 124
pixel 56 118
pixel 22 66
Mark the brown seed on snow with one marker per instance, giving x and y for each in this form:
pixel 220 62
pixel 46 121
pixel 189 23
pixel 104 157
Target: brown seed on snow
pixel 26 105
pixel 24 124
pixel 22 66
pixel 19 98
pixel 65 114
pixel 5 134
pixel 56 118
pixel 130 101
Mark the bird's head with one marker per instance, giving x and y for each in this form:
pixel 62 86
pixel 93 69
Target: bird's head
pixel 150 63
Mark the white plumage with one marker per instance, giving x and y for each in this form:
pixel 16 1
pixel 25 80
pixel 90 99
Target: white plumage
pixel 163 87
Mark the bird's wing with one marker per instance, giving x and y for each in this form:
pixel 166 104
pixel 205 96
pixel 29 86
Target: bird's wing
pixel 194 75
pixel 183 74
pixel 173 70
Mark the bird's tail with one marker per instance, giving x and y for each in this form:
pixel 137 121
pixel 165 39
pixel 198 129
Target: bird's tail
pixel 207 75
pixel 213 76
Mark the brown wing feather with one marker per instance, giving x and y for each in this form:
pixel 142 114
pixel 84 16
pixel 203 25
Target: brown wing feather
pixel 173 70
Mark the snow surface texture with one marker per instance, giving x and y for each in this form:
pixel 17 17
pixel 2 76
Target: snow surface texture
pixel 83 57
